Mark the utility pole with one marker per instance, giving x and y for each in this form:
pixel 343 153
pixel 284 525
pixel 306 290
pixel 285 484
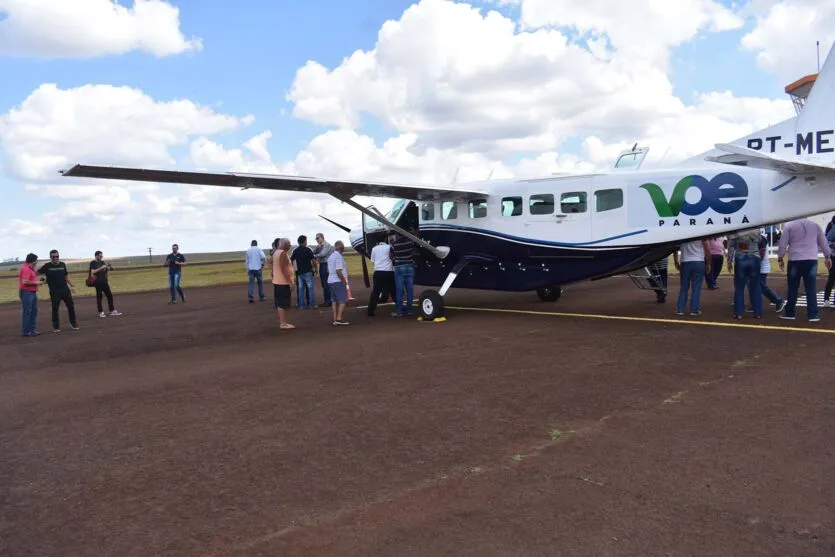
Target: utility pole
pixel 150 259
pixel 819 57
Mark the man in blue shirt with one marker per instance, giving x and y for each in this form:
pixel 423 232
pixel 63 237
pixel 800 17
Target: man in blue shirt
pixel 175 262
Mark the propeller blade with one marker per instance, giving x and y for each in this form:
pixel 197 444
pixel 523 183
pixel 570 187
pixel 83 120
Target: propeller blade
pixel 345 228
pixel 365 278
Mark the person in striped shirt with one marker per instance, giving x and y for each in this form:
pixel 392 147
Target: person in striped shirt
pixel 404 253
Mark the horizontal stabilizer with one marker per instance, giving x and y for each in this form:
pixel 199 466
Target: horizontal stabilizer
pixel 743 156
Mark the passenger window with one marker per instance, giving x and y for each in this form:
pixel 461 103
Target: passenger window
pixel 427 211
pixel 478 208
pixel 574 202
pixel 542 204
pixel 511 206
pixel 449 210
pixel 608 200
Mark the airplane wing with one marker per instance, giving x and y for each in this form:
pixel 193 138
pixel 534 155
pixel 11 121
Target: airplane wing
pixel 743 156
pixel 342 189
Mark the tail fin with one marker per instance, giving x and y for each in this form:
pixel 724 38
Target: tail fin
pixel 808 137
pixel 818 112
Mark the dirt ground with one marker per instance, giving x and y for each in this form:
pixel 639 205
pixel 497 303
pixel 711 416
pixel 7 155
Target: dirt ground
pixel 201 429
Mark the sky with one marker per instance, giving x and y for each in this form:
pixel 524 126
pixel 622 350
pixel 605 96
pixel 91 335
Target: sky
pixel 431 91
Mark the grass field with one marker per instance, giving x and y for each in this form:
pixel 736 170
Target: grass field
pixel 148 280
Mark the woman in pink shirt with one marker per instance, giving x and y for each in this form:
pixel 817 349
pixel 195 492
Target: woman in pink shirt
pixel 717 258
pixel 27 283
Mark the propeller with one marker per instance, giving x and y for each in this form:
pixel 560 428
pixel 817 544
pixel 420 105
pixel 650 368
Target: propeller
pixel 336 224
pixel 365 279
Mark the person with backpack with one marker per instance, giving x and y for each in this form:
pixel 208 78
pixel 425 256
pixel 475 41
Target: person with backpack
pixel 97 279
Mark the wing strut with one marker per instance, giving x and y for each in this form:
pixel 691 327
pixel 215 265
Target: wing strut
pixel 440 251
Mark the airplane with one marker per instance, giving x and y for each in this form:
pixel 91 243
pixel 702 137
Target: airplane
pixel 540 234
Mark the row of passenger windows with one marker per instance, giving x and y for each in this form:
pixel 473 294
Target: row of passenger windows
pixel 539 204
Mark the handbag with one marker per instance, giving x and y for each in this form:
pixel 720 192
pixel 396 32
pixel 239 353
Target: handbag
pixel 91 281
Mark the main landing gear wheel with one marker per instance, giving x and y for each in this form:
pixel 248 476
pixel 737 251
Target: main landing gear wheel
pixel 431 305
pixel 549 293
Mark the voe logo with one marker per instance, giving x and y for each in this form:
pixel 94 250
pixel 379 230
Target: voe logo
pixel 726 194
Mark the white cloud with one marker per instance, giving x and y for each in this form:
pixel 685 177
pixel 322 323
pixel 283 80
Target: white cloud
pixel 54 128
pixel 89 28
pixel 258 145
pixel 785 35
pixel 643 29
pixel 463 79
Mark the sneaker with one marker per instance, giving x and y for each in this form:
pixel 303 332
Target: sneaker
pixel 789 317
pixel 115 312
pixel 74 327
pixel 695 313
pixel 678 313
pixel 102 314
pixel 56 330
pixel 780 306
pixel 814 319
pixel 172 302
pixel 341 323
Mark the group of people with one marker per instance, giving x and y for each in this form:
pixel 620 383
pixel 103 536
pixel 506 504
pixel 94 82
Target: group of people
pixel 61 289
pixel 295 270
pixel 747 259
pixel 394 274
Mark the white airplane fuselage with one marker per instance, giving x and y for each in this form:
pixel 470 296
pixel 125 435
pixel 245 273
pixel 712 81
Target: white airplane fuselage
pixel 538 233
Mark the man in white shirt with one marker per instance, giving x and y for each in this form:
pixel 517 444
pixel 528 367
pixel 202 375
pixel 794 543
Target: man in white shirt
pixel 255 259
pixel 338 282
pixel 694 263
pixel 381 256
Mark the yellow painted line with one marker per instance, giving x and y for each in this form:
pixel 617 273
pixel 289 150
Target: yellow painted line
pixel 648 319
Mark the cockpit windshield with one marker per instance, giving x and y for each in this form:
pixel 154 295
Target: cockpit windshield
pixel 371 223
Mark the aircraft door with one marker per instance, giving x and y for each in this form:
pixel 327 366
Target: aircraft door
pixel 404 213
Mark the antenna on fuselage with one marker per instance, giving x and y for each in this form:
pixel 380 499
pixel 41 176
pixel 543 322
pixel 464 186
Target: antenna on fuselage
pixel 491 173
pixel 455 177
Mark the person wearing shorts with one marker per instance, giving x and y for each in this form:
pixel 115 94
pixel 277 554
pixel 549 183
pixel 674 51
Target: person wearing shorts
pixel 338 282
pixel 282 282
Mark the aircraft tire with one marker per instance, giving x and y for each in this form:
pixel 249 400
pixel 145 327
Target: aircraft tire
pixel 431 305
pixel 549 293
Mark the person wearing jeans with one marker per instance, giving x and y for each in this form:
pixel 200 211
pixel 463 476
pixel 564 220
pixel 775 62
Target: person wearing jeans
pixel 323 251
pixel 765 268
pixel 717 257
pixel 802 239
pixel 175 262
pixel 403 253
pixel 304 260
pixel 744 262
pixel 694 263
pixel 255 259
pixel 27 283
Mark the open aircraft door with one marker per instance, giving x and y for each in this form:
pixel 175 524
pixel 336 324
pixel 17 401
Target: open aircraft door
pixel 404 213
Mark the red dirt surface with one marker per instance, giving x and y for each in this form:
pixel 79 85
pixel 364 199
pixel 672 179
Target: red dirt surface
pixel 201 429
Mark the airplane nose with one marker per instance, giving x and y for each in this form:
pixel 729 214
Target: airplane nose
pixel 355 237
